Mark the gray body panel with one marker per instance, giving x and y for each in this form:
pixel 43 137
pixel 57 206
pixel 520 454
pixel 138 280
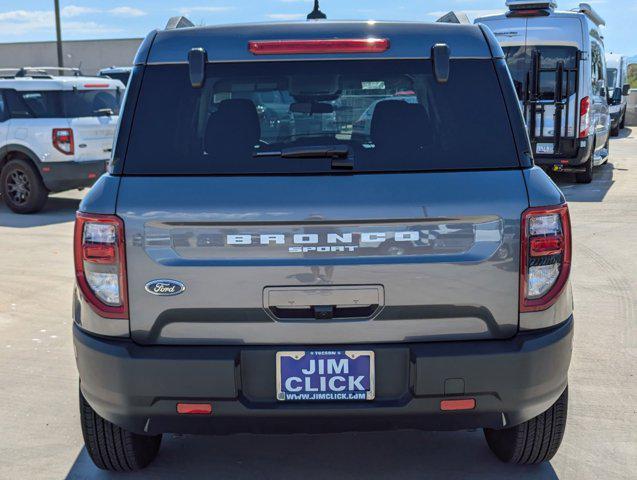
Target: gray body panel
pixel 459 281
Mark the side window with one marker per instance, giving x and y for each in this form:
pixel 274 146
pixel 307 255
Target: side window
pixel 597 66
pixel 3 108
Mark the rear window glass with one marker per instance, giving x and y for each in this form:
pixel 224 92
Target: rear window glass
pixel 380 115
pixel 66 104
pixel 520 62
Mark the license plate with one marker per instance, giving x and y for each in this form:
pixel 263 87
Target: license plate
pixel 545 148
pixel 318 375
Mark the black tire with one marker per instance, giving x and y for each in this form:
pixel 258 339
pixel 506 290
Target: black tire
pixel 22 187
pixel 586 176
pixel 622 122
pixel 113 448
pixel 532 442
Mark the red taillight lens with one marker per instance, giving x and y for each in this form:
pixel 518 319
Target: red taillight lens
pixel 295 47
pixel 459 404
pixel 100 263
pixel 584 117
pixel 63 140
pixel 545 256
pixel 542 246
pixel 194 408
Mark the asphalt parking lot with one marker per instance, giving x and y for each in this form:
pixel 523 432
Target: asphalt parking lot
pixel 39 427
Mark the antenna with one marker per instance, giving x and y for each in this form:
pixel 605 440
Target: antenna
pixel 316 14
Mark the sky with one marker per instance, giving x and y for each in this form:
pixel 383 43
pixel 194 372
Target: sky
pixel 30 20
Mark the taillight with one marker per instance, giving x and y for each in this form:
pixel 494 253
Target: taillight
pixel 100 263
pixel 63 140
pixel 545 256
pixel 291 47
pixel 584 117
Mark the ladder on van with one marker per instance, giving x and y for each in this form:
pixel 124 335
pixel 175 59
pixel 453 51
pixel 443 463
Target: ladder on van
pixel 561 109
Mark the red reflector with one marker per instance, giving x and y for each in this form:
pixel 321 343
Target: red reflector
pixel 541 246
pixel 194 408
pixel 291 47
pixel 96 85
pixel 46 169
pixel 92 175
pixel 99 253
pixel 463 404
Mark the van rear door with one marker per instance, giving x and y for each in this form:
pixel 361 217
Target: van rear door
pixel 407 232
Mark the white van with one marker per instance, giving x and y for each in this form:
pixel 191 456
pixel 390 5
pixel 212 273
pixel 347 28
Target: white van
pixel 558 65
pixel 618 90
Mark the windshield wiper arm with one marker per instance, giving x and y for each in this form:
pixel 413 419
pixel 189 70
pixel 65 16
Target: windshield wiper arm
pixel 332 151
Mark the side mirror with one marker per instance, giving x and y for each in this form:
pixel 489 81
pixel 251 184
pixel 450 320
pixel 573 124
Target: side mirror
pixel 626 89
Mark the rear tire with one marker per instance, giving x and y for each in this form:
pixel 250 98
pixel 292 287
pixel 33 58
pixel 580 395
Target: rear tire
pixel 614 131
pixel 22 187
pixel 534 441
pixel 114 448
pixel 586 176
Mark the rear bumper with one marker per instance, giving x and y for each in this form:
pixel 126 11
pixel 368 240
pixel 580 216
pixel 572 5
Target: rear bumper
pixel 137 387
pixel 573 163
pixel 62 176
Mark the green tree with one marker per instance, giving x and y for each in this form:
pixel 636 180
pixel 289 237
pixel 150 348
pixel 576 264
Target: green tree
pixel 632 75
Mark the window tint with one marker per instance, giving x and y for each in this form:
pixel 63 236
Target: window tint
pixel 65 104
pixel 611 73
pixel 388 115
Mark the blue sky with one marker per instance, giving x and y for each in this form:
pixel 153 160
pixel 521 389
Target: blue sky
pixel 82 19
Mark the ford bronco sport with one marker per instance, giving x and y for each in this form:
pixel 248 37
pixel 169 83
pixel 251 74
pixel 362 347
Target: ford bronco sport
pixel 56 133
pixel 233 276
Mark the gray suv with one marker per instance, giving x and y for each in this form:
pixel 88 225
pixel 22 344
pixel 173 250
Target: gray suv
pixel 237 277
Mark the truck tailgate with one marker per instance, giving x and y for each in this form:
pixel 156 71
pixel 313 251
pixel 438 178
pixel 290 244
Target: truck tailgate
pixel 324 259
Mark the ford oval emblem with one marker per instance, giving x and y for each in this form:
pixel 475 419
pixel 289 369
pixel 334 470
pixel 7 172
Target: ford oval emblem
pixel 165 288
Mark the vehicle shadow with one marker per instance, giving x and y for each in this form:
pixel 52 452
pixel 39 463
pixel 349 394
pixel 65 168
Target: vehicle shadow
pixel 595 191
pixel 378 455
pixel 625 133
pixel 56 210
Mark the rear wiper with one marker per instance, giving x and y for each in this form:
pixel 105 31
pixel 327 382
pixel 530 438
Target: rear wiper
pixel 104 112
pixel 337 153
pixel 332 151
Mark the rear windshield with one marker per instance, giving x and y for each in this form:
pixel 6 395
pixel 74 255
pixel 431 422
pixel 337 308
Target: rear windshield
pixel 65 104
pixel 520 62
pixel 260 117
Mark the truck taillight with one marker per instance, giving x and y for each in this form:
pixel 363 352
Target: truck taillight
pixel 100 263
pixel 584 117
pixel 63 140
pixel 545 256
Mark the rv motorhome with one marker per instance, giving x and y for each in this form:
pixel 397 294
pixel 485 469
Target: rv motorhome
pixel 618 90
pixel 557 62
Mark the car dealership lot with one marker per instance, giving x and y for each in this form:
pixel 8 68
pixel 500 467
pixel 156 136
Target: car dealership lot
pixel 41 436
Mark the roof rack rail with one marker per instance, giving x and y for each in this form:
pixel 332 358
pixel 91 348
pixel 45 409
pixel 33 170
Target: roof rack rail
pixel 38 72
pixel 531 4
pixel 178 22
pixel 587 10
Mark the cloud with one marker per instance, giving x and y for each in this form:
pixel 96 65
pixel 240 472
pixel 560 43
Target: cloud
pixel 127 12
pixel 16 23
pixel 74 11
pixel 472 13
pixel 286 16
pixel 189 10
